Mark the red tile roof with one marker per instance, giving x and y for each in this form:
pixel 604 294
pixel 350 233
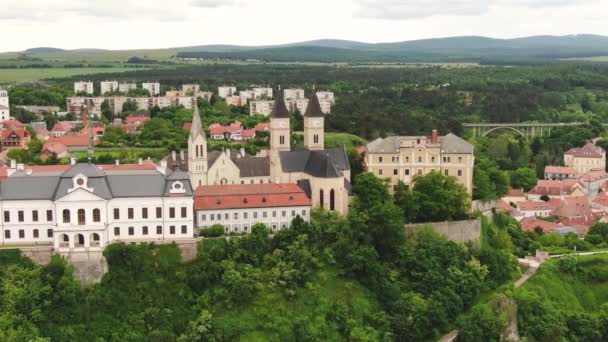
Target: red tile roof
pixel 248 133
pixel 529 224
pixel 54 147
pixel 12 123
pixel 587 151
pixel 187 125
pixel 593 176
pixel 138 120
pixel 249 196
pixel 515 193
pixel 217 129
pixel 70 140
pixel 554 187
pixel 262 126
pixel 535 206
pixel 560 169
pixel 601 199
pixel 145 165
pixel 62 126
pixel 573 207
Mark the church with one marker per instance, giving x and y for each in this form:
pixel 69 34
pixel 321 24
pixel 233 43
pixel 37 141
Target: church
pixel 324 173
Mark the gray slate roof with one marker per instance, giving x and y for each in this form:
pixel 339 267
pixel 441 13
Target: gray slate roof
pixel 279 110
pixel 136 183
pixel 450 143
pixel 313 110
pixel 323 163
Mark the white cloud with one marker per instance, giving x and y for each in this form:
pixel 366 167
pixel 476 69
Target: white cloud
pixel 216 3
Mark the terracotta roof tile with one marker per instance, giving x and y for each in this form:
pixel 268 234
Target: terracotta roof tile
pixel 249 196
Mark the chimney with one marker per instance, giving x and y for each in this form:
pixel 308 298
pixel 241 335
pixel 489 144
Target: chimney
pixel 140 161
pixel 72 161
pixel 13 164
pixel 173 155
pixel 117 162
pixel 228 152
pixel 242 152
pixel 181 155
pixel 435 137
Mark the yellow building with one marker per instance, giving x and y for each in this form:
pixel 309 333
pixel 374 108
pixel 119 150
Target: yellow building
pixel 586 158
pixel 401 158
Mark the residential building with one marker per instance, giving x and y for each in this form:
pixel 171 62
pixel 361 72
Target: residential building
pixel 126 87
pixel 514 196
pixel 586 158
pixel 236 101
pixel 555 189
pixel 14 134
pixel 326 106
pixel 152 87
pixel 235 131
pixel 560 172
pixel 41 110
pixel 537 208
pixel 5 112
pixel 530 224
pixel 225 91
pixel 77 104
pixel 191 89
pixel 174 93
pixel 299 105
pixel 401 158
pixel 326 96
pixel 592 182
pixel 248 95
pixel 84 87
pixel 109 87
pixel 240 207
pixel 86 207
pixel 263 92
pixel 293 94
pixel 263 107
pixel 61 128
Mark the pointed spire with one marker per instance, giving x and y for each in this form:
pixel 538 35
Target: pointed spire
pixel 313 110
pixel 197 127
pixel 279 110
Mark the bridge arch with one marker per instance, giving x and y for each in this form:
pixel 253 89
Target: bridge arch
pixel 503 127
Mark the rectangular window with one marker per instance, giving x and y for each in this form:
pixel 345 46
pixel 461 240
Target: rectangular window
pixel 265 214
pixel 203 217
pixel 159 212
pixel 446 172
pixel 407 159
pixel 379 159
pixel 226 216
pixel 303 213
pixel 35 215
pixel 407 172
pixel 144 230
pixel 420 159
pixel 116 213
pixel 116 231
pixel 49 215
pixel 184 212
pixel 212 217
pixel 255 214
pixel 236 216
pixel 7 234
pixel 20 216
pixel 172 230
pixel 36 233
pixel 144 213
pixel 460 159
pixel 380 172
pixel 131 231
pixel 274 214
pixel 184 229
pixel 245 215
pixel 159 230
pixel 293 213
pixel 130 213
pixel 283 213
pixel 395 172
pixel 433 159
pixel 459 173
pixel 49 233
pixel 171 212
pixel 21 233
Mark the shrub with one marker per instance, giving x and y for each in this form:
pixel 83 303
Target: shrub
pixel 213 231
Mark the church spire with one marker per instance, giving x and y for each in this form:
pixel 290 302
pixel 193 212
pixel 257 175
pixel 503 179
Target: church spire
pixel 279 110
pixel 197 127
pixel 313 110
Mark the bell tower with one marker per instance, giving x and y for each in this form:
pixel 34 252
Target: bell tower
pixel 280 136
pixel 197 151
pixel 314 125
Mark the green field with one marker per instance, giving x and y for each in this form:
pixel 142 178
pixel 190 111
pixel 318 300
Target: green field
pixel 94 56
pixel 25 75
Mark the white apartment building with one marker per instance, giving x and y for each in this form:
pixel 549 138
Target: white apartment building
pixel 293 94
pixel 83 87
pixel 261 107
pixel 152 87
pixel 76 104
pixel 5 112
pixel 191 88
pixel 126 87
pixel 109 87
pixel 325 106
pixel 326 96
pixel 87 207
pixel 239 207
pixel 264 92
pixel 225 91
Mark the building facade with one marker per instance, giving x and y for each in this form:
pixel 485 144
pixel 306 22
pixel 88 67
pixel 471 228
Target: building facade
pixel 239 207
pixel 109 87
pixel 86 207
pixel 401 158
pixel 126 87
pixel 226 91
pixel 586 158
pixel 293 94
pixel 5 112
pixel 152 87
pixel 84 87
pixel 263 107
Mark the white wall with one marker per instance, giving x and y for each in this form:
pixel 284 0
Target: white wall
pixel 246 218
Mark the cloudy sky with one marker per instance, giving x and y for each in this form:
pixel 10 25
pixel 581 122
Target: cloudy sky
pixel 134 24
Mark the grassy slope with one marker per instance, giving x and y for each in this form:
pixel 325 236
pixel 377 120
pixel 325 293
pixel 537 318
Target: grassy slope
pixel 271 317
pixel 24 75
pixel 572 294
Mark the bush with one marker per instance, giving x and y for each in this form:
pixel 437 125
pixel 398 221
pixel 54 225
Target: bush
pixel 214 231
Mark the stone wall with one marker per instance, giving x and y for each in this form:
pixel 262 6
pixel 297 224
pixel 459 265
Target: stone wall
pixel 457 231
pixel 487 208
pixel 89 267
pixel 40 255
pixel 189 248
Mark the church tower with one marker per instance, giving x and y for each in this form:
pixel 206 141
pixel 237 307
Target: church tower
pixel 197 151
pixel 280 139
pixel 314 125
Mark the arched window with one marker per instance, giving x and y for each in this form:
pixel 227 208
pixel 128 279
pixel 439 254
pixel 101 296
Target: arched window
pixel 96 215
pixel 66 216
pixel 332 200
pixel 196 150
pixel 321 199
pixel 316 138
pixel 81 217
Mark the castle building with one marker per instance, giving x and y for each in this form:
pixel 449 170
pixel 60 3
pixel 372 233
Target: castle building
pixel 401 158
pixel 585 159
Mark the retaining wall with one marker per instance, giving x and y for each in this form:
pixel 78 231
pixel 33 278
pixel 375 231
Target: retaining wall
pixel 457 231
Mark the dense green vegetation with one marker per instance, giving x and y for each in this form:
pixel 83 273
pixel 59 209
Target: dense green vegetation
pixel 566 300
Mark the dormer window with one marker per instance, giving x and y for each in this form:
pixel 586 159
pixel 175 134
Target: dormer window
pixel 177 187
pixel 80 181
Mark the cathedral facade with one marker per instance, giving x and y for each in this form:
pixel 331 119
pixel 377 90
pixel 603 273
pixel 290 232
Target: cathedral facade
pixel 324 173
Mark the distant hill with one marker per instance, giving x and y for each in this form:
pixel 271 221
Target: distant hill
pixel 43 49
pixel 450 49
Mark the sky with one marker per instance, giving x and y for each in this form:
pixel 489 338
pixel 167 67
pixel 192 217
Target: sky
pixel 137 24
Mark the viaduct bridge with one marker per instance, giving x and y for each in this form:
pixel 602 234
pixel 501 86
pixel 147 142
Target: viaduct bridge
pixel 531 129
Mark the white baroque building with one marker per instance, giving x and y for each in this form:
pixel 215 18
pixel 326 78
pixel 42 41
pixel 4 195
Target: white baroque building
pixel 84 207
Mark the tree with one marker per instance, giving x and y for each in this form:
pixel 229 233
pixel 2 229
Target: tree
pixel 523 178
pixel 106 111
pixel 129 106
pixel 200 330
pixel 440 198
